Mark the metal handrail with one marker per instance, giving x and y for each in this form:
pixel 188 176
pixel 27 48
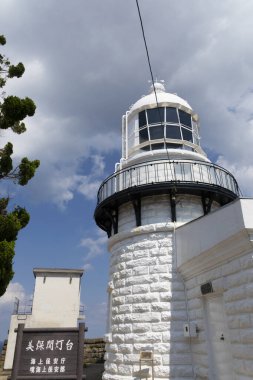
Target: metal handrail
pixel 167 171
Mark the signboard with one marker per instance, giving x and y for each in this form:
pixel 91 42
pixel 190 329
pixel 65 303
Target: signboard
pixel 49 353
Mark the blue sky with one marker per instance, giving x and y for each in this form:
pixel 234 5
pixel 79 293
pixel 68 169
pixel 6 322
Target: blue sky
pixel 85 65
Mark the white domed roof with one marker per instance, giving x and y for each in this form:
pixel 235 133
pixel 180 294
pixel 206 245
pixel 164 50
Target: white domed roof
pixel 164 99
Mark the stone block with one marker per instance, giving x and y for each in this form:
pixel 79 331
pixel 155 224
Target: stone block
pixel 113 348
pixel 142 280
pixel 111 367
pixel 159 269
pixel 161 287
pixel 140 289
pixel 120 283
pixel 124 309
pixel 142 298
pixel 141 254
pixel 115 358
pixel 142 318
pixel 160 327
pixel 138 271
pixel 125 291
pixel 150 337
pixel 124 328
pixel 118 318
pixel 125 370
pixel 125 348
pixel 144 262
pixel 141 327
pixel 118 338
pixel 141 308
pixel 116 301
pixel 160 306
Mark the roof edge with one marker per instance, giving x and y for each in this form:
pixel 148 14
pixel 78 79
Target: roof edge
pixel 57 270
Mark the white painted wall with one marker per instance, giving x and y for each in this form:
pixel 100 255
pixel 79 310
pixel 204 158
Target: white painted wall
pixel 56 303
pixel 56 300
pixel 219 248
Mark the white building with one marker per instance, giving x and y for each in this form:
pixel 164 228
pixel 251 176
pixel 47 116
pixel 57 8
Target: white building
pixel 56 303
pixel 181 266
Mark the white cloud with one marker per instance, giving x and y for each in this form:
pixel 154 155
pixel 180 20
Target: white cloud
pixel 94 246
pixel 83 78
pixel 87 267
pixel 14 290
pixel 63 148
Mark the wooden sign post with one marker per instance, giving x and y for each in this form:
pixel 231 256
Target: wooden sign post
pixel 49 353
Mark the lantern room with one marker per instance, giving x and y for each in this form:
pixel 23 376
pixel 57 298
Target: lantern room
pixel 160 121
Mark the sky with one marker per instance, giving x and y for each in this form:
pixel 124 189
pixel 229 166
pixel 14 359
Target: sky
pixel 85 66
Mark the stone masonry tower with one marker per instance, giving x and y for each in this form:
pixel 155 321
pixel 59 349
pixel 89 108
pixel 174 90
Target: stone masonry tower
pixel 163 180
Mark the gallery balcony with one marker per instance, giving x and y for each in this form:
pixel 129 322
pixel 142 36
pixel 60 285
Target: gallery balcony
pixel 173 177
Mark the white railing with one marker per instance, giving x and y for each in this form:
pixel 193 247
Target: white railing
pixel 165 171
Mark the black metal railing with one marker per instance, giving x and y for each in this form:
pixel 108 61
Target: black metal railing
pixel 157 172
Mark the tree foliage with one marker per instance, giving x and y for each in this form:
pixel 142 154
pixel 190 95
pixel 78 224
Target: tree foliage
pixel 13 110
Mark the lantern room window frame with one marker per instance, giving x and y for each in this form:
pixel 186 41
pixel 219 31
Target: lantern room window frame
pixel 159 126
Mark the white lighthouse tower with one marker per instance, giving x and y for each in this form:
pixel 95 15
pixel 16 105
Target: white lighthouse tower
pixel 163 181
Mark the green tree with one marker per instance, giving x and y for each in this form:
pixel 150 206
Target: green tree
pixel 13 110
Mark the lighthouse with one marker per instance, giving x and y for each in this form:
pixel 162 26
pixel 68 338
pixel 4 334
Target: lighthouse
pixel 163 181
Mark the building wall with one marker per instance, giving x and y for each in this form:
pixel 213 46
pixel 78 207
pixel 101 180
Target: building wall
pixel 233 281
pixel 56 303
pixel 56 300
pixel 224 258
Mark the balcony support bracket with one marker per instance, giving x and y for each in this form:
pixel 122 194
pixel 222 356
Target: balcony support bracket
pixel 136 202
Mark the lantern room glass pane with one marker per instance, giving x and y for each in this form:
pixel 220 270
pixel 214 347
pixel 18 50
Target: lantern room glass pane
pixel 171 115
pixel 157 146
pixel 174 146
pixel 142 119
pixel 156 132
pixel 185 118
pixel 147 147
pixel 155 115
pixel 173 132
pixel 187 135
pixel 144 135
